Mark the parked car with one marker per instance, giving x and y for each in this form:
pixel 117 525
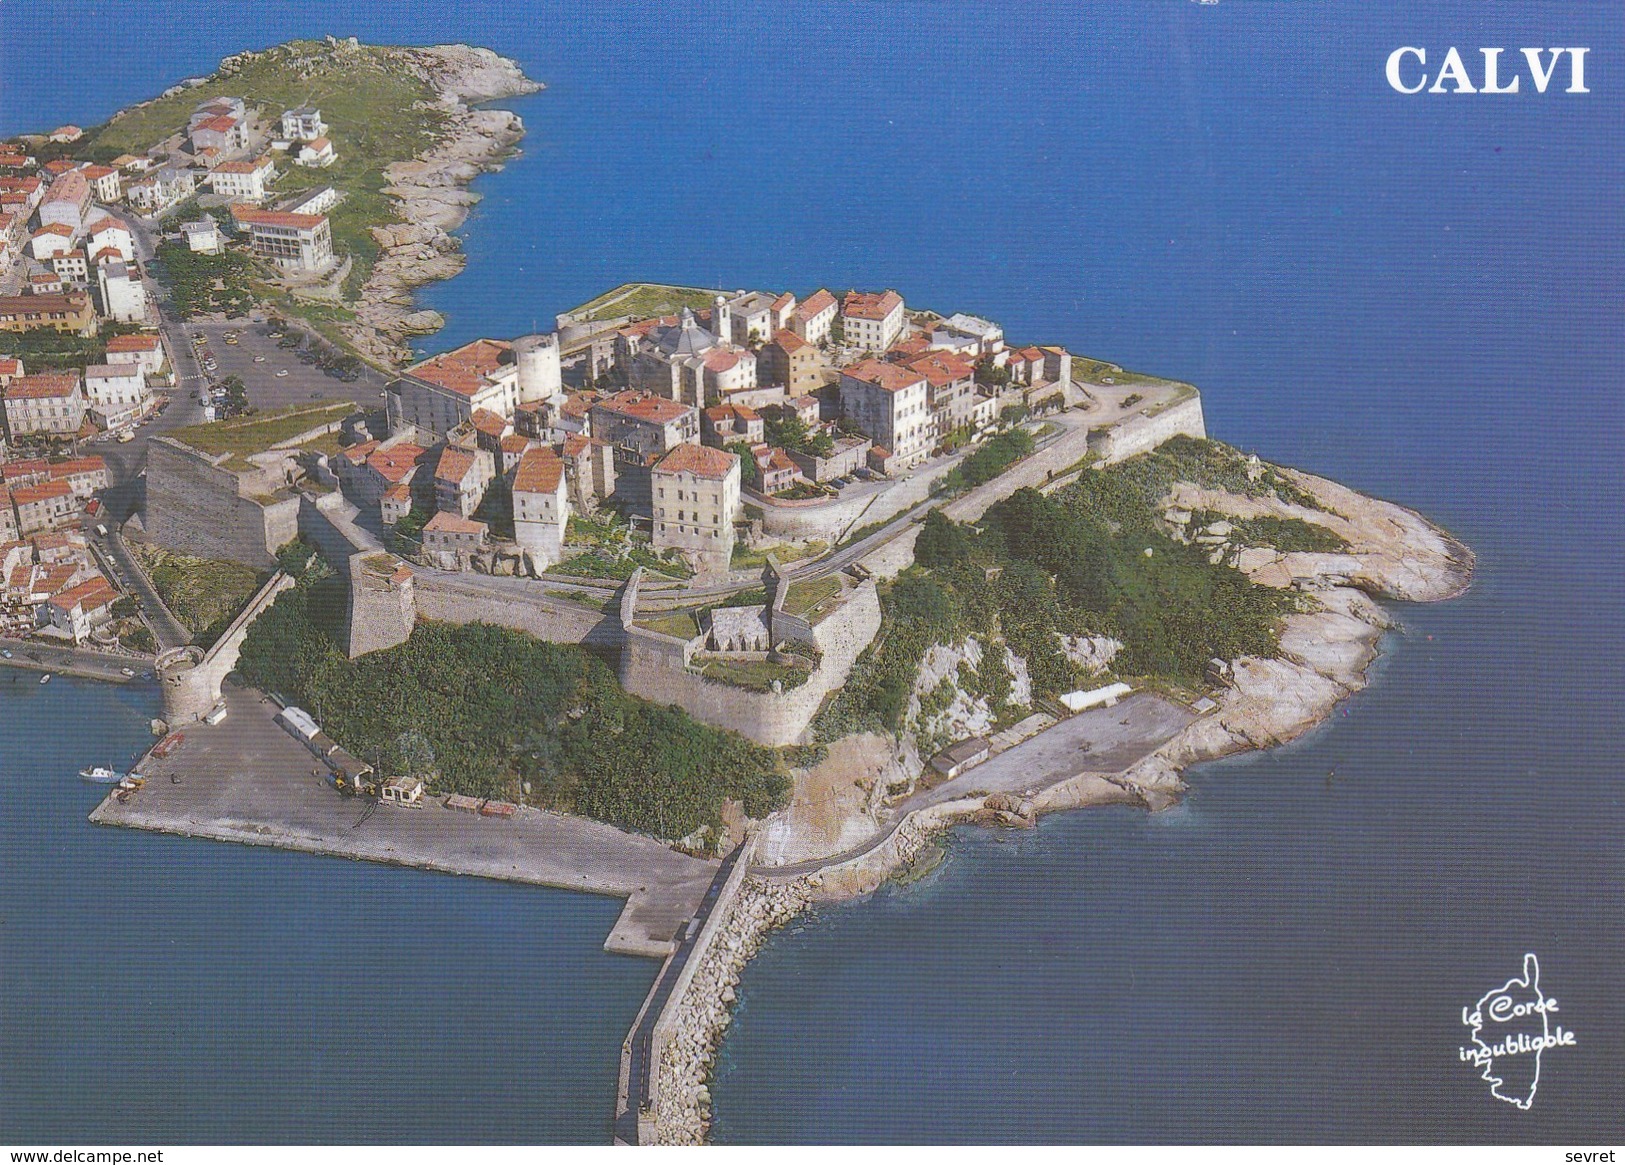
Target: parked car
pixel 282 372
pixel 259 360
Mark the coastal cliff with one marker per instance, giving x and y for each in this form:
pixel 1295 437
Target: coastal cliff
pixel 431 196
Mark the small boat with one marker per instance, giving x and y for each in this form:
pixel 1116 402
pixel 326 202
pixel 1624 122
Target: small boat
pixel 46 678
pixel 101 775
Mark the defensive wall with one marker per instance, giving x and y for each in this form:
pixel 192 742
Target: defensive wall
pixel 197 506
pixel 655 666
pixel 1144 432
pixel 190 677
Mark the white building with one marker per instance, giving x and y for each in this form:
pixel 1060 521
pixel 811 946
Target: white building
pixel 243 180
pixel 814 316
pixel 124 299
pixel 296 242
pixel 107 232
pixel 106 182
pixel 872 320
pixel 891 405
pixel 317 154
pixel 147 351
pixel 117 393
pixel 304 124
pixel 433 397
pixel 203 236
pixel 51 240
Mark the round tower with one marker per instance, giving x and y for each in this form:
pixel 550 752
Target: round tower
pixel 188 692
pixel 722 319
pixel 538 359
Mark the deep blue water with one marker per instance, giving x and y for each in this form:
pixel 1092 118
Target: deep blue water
pixel 1417 296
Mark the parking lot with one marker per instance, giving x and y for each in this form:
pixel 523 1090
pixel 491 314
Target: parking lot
pixel 267 389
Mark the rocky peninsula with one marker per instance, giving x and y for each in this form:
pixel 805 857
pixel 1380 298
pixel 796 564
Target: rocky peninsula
pixel 1326 652
pixel 431 195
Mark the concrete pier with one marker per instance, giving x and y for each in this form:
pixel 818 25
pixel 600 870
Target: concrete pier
pixel 246 780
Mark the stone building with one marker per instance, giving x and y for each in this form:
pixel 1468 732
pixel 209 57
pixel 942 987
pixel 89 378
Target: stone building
pixel 644 424
pixel 735 630
pixel 789 360
pixel 695 495
pixel 450 541
pixel 46 402
pixel 436 395
pixel 872 320
pixel 814 316
pixel 891 406
pixel 541 507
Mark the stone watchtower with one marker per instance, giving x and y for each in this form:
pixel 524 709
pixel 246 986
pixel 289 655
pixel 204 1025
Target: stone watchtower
pixel 188 690
pixel 383 603
pixel 540 376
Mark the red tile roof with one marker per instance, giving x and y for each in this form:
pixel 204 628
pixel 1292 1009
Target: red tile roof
pixel 722 359
pixel 241 167
pixel 444 523
pixel 866 305
pixel 488 422
pixel 890 377
pixel 91 594
pixel 464 370
pixel 454 464
pixel 789 341
pixel 643 407
pixel 77 465
pixel 223 123
pixel 40 491
pixel 818 301
pixel 252 216
pixel 394 463
pixel 700 460
pixel 540 471
pixel 942 368
pixel 55 228
pixel 43 385
pixel 133 344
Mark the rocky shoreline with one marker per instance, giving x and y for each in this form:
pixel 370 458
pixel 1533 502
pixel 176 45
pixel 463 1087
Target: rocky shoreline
pixel 1326 655
pixel 432 197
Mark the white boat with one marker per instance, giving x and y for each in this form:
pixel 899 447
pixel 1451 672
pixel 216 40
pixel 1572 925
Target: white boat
pixel 101 775
pixel 46 678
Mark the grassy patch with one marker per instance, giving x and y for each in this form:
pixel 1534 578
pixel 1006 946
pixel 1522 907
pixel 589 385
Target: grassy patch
pixel 203 594
pixel 1287 535
pixel 642 300
pixel 244 435
pixel 745 558
pixel 757 675
pixel 678 624
pixel 804 599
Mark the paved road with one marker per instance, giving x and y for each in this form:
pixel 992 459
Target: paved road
pixel 36 655
pixel 129 574
pixel 1101 740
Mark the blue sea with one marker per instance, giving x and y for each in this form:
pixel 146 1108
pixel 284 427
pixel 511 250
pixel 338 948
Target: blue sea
pixel 1418 296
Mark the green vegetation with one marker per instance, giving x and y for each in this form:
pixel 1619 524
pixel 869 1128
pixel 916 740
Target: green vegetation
pixel 804 599
pixel 801 491
pixel 138 638
pixel 46 349
pixel 678 624
pixel 480 710
pixel 750 473
pixel 1093 559
pixel 757 675
pixel 243 435
pixel 203 594
pixel 642 300
pixel 1287 535
pixel 601 564
pixel 755 597
pixel 380 112
pixel 786 552
pixel 201 283
pixel 790 432
pixel 992 459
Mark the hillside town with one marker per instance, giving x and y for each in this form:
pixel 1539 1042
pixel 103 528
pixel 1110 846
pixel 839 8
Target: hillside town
pixel 687 422
pixel 84 356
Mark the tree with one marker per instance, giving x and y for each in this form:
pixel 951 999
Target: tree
pixel 990 375
pixel 749 472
